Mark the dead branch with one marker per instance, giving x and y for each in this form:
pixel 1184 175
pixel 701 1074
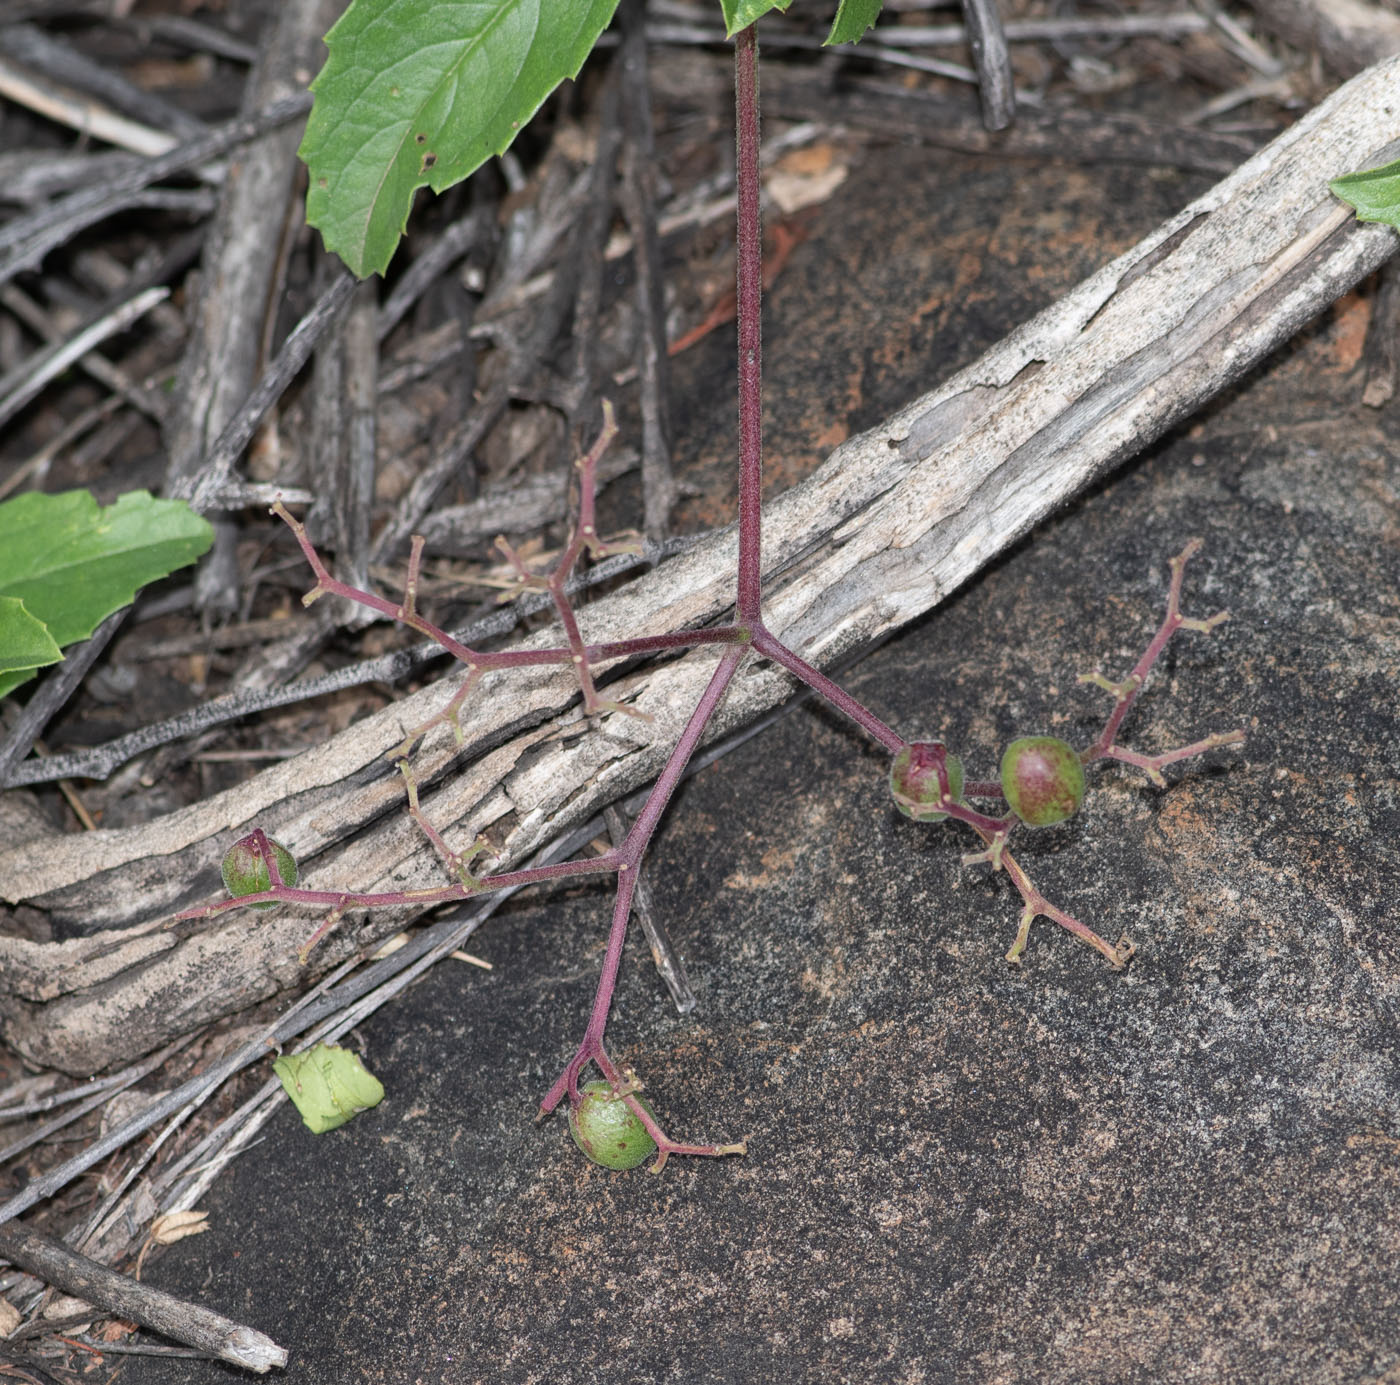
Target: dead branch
pixel 117 1293
pixel 1349 34
pixel 896 519
pixel 27 239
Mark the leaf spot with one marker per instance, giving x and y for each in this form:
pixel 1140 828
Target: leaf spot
pixel 420 138
pixel 428 161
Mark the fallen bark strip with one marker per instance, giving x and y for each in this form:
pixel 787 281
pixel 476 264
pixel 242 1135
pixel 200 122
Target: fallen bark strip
pixel 27 239
pixel 118 1293
pixel 895 520
pixel 1349 34
pixel 1069 135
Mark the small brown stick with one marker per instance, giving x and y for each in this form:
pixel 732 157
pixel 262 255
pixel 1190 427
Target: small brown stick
pixel 639 207
pixel 67 107
pixel 21 385
pixel 1256 89
pixel 70 793
pixel 117 1293
pixel 663 950
pixel 995 85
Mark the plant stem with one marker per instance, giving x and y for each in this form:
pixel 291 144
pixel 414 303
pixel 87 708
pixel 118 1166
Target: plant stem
pixel 749 300
pixel 773 648
pixel 626 859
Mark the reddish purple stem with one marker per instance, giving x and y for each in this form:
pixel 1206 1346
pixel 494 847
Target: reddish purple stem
pixel 747 631
pixel 749 298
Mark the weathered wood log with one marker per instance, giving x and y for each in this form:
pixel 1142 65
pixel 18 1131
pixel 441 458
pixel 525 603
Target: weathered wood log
pixel 1349 34
pixel 112 1292
pixel 895 520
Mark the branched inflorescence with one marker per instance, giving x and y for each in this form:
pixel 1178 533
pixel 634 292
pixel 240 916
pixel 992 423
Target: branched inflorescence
pixel 927 783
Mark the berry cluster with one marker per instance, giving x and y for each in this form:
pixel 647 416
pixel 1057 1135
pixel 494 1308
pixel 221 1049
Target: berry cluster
pixel 1042 779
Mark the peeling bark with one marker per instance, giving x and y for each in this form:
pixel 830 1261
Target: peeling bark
pixel 895 520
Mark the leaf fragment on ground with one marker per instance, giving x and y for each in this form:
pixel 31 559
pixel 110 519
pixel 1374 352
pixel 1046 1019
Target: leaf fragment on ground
pixel 328 1085
pixel 1373 192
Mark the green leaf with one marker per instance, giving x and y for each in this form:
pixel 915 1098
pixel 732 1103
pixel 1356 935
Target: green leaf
pixel 328 1085
pixel 25 643
pixel 1374 192
pixel 70 565
pixel 853 18
pixel 739 14
pixel 420 93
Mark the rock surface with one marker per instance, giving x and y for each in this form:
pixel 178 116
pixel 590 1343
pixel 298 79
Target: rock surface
pixel 958 1171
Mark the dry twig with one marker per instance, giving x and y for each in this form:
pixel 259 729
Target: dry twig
pixel 895 519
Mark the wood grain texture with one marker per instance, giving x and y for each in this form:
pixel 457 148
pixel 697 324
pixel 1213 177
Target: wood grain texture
pixel 896 519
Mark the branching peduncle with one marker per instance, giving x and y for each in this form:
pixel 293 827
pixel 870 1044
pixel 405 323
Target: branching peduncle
pixel 1042 779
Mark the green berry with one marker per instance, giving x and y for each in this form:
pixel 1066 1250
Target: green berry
pixel 915 784
pixel 606 1130
pixel 1043 780
pixel 245 871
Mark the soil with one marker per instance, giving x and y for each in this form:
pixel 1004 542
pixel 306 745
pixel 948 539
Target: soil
pixel 958 1170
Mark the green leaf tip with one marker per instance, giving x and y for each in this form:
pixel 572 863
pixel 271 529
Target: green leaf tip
pixel 853 18
pixel 1373 192
pixel 66 565
pixel 328 1085
pixel 25 642
pixel 420 93
pixel 739 14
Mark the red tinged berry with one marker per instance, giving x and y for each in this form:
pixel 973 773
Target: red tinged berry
pixel 915 782
pixel 1043 780
pixel 245 869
